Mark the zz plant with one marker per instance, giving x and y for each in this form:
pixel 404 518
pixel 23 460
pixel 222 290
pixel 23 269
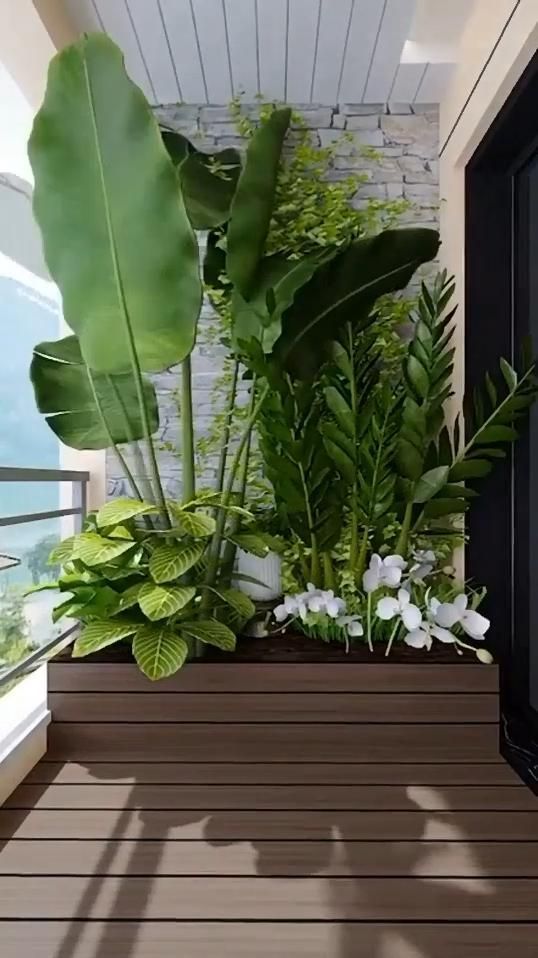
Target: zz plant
pixel 118 205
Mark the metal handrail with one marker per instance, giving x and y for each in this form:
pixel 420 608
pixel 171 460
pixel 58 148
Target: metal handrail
pixel 20 474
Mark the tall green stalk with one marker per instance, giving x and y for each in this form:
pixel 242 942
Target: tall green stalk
pixel 187 433
pixel 216 541
pixel 402 545
pixel 354 550
pixel 140 464
pixel 227 428
pixel 121 459
pixel 230 549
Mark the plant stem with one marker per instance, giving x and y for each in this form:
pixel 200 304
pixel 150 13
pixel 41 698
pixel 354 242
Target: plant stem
pixel 230 548
pixel 157 484
pixel 361 561
pixel 369 622
pixel 392 637
pixel 328 571
pixel 226 432
pixel 354 550
pixel 121 459
pixel 187 433
pixel 140 465
pixel 216 541
pixel 402 545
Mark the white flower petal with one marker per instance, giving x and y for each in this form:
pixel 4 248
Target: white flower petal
pixel 474 624
pixel 484 656
pixel 387 608
pixel 443 635
pixel 376 561
pixel 433 604
pixel 310 587
pixel 391 576
pixel 418 639
pixel 447 615
pixel 396 561
pixel 403 598
pixel 370 580
pixel 280 613
pixel 411 617
pixel 333 608
pixel 303 611
pixel 354 629
pixel 461 603
pixel 315 604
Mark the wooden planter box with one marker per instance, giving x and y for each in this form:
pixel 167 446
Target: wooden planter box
pixel 312 712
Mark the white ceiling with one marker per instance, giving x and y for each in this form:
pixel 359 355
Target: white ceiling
pixel 302 51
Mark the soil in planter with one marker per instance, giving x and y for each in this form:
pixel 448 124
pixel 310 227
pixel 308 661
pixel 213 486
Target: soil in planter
pixel 295 647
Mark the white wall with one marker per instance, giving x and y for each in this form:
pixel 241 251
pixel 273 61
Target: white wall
pixel 499 41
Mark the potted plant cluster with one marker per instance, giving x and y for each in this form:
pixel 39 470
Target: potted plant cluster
pixel 367 483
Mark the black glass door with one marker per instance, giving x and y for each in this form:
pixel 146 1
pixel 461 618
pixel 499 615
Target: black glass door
pixel 501 313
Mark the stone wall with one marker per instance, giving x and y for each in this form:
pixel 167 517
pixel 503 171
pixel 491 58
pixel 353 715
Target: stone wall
pixel 407 139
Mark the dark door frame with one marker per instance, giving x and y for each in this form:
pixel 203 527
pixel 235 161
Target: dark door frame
pixel 496 324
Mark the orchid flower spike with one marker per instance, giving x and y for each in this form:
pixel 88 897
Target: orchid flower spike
pixel 383 572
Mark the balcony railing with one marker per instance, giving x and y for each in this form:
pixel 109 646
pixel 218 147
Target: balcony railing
pixel 27 633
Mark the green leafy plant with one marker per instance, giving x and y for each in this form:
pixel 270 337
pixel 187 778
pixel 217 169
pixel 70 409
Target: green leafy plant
pixel 400 476
pixel 116 206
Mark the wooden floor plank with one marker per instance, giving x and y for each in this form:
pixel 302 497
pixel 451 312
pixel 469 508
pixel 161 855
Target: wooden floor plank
pixel 269 899
pixel 278 742
pixel 229 826
pixel 281 773
pixel 285 677
pixel 54 939
pixel 400 859
pixel 263 707
pixel 263 797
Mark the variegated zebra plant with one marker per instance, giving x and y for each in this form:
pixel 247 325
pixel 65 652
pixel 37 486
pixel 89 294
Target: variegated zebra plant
pixel 118 202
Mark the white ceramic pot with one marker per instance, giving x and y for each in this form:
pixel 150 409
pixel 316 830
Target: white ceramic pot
pixel 266 570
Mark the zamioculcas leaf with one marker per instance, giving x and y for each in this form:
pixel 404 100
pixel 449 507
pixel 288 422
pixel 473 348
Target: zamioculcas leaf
pixel 159 602
pixel 158 651
pixel 430 484
pixel 116 235
pixel 253 202
pixel 340 410
pixel 195 524
pixel 169 561
pixel 99 634
pixel 93 549
pixel 211 632
pixel 208 180
pixel 345 290
pixel 249 542
pixel 120 510
pixel 87 410
pixel 63 551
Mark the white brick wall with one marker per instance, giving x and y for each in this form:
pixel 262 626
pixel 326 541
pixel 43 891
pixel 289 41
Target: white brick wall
pixel 407 140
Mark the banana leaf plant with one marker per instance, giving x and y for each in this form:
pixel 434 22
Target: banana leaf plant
pixel 117 206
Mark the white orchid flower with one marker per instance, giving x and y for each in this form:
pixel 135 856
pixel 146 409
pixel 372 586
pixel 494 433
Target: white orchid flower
pixel 423 636
pixel 389 607
pixel 423 566
pixel 352 625
pixel 449 614
pixel 383 572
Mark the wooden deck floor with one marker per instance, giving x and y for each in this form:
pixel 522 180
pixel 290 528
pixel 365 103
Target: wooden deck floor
pixel 254 812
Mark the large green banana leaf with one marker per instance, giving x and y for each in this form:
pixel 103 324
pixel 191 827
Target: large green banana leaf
pixel 253 202
pixel 116 235
pixel 208 180
pixel 70 397
pixel 277 282
pixel 344 290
